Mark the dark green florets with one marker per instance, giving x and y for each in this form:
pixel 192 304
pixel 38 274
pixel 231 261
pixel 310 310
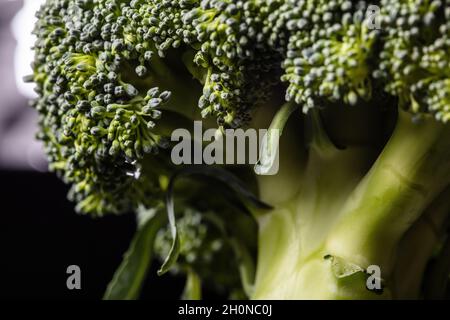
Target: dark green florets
pixel 219 252
pixel 106 70
pixel 203 249
pixel 415 61
pixel 99 66
pixel 95 123
pixel 238 68
pixel 329 51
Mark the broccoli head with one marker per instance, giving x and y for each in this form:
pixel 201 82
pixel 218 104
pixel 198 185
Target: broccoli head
pixel 360 91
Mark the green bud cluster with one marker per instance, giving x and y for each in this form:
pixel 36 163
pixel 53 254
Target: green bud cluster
pixel 233 62
pixel 238 66
pixel 329 49
pixel 277 13
pixel 193 231
pixel 203 249
pixel 415 61
pixel 96 124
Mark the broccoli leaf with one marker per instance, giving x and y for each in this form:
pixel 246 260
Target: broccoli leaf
pixel 127 281
pixel 193 288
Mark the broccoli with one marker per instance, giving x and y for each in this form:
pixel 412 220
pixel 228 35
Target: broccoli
pixel 363 105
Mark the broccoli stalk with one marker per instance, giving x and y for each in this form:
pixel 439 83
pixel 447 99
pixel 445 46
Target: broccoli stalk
pixel 410 172
pixel 340 211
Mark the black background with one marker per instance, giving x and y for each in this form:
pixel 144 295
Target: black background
pixel 41 235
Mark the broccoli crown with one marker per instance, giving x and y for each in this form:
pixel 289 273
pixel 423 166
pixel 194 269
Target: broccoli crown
pixel 106 71
pixel 98 68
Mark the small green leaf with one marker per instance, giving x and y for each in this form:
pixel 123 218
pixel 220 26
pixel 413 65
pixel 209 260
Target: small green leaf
pixel 174 252
pixel 127 281
pixel 342 268
pixel 270 142
pixel 193 287
pixel 172 257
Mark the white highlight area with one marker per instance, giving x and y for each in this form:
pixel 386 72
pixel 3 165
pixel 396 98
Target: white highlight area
pixel 22 27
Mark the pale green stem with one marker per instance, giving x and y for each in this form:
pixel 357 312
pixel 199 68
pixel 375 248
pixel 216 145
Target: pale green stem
pixel 413 168
pixel 291 262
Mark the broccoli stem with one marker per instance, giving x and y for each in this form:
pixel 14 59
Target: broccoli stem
pixel 283 273
pixel 341 210
pixel 291 237
pixel 291 262
pixel 412 170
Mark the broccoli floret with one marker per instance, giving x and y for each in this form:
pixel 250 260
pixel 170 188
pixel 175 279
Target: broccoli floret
pixel 364 165
pixel 328 53
pixel 415 59
pixel 204 251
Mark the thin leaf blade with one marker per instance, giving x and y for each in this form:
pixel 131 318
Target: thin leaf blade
pixel 127 281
